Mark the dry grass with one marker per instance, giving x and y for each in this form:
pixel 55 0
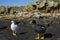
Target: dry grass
pixel 56 15
pixel 8 16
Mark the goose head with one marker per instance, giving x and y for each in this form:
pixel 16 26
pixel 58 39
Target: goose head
pixel 12 21
pixel 33 22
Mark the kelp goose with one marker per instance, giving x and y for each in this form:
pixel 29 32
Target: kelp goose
pixel 40 29
pixel 14 28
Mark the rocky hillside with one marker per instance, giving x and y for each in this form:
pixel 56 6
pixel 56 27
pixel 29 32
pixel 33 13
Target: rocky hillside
pixel 38 5
pixel 34 9
pixel 10 10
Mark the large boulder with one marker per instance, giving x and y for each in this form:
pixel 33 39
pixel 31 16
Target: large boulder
pixel 41 3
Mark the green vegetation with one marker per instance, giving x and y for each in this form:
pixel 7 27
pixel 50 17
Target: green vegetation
pixel 57 0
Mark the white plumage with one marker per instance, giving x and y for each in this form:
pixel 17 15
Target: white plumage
pixel 14 26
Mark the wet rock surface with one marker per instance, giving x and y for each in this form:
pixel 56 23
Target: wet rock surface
pixel 27 32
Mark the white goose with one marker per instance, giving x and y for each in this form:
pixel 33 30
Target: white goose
pixel 14 28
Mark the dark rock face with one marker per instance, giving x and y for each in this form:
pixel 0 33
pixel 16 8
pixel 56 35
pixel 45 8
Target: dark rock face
pixel 9 9
pixel 27 32
pixel 58 6
pixel 34 7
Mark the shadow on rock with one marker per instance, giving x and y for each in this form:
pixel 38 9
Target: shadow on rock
pixel 48 35
pixel 22 33
pixel 2 28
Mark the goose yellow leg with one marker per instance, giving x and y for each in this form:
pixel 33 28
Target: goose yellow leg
pixel 41 37
pixel 14 33
pixel 37 38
